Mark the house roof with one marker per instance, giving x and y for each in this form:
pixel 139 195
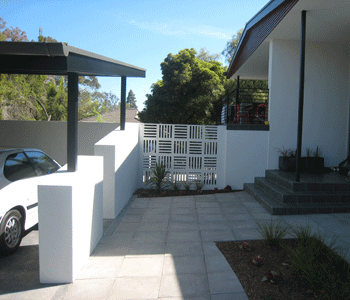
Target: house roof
pixel 326 21
pixel 60 59
pixel 114 117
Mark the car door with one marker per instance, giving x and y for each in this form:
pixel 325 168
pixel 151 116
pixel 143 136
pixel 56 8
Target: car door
pixel 23 189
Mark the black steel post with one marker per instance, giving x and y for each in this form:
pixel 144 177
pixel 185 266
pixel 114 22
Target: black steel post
pixel 123 103
pixel 238 121
pixel 72 124
pixel 301 95
pixel 227 106
pixel 237 91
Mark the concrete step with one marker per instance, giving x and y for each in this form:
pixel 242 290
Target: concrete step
pixel 269 186
pixel 329 182
pixel 276 207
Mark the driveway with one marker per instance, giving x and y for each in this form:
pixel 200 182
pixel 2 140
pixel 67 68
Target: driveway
pixel 164 248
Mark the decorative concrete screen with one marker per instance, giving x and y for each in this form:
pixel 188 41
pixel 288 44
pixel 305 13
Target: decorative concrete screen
pixel 189 152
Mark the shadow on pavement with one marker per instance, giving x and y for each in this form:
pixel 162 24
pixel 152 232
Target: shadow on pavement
pixel 20 270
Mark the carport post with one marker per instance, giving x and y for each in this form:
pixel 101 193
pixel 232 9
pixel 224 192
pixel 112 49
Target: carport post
pixel 123 103
pixel 72 124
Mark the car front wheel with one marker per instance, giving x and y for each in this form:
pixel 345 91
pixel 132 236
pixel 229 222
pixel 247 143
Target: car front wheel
pixel 11 232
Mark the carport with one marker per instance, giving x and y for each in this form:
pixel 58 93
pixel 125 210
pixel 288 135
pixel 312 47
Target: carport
pixel 61 59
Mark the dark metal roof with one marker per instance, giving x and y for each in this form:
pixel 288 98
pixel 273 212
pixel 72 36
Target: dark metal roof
pixel 60 59
pixel 257 29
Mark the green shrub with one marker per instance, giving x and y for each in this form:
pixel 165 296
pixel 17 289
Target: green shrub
pixel 319 265
pixel 272 231
pixel 159 177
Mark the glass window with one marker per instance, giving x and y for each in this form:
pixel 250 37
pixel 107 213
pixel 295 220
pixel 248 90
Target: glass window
pixel 17 166
pixel 43 163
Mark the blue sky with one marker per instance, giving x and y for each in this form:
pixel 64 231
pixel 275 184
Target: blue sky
pixel 138 32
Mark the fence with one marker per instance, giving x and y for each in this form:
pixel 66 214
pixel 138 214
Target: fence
pixel 189 152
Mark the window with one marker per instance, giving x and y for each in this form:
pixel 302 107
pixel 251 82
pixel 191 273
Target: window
pixel 17 166
pixel 43 163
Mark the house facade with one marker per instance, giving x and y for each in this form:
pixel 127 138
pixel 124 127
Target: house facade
pixel 270 49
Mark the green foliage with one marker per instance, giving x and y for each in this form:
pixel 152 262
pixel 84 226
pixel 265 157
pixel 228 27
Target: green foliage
pixel 131 100
pixel 319 265
pixel 11 34
pixel 176 186
pixel 187 92
pixel 232 45
pixel 159 177
pixel 272 231
pixel 187 186
pixel 199 186
pixel 43 97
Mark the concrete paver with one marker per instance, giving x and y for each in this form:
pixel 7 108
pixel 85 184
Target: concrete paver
pixel 163 248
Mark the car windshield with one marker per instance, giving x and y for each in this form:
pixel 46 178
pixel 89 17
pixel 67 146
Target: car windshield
pixel 43 163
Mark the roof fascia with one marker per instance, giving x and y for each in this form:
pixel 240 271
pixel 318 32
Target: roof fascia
pixel 59 59
pixel 259 17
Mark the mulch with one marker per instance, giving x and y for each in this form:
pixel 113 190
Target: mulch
pixel 288 284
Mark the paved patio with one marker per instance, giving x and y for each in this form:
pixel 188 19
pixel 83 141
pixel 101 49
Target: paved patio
pixel 163 248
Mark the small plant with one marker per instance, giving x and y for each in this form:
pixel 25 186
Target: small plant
pixel 245 246
pixel 272 231
pixel 187 186
pixel 272 276
pixel 319 265
pixel 227 188
pixel 176 186
pixel 159 177
pixel 286 152
pixel 199 186
pixel 257 260
pixel 317 152
pixel 308 152
pixel 216 190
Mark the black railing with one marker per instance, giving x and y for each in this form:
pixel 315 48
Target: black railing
pixel 245 106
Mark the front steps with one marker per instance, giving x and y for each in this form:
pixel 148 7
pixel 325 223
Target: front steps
pixel 279 194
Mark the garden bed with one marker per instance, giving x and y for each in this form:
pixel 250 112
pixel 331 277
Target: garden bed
pixel 145 193
pixel 290 285
pixel 277 268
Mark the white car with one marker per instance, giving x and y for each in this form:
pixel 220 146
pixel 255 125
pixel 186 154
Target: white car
pixel 19 171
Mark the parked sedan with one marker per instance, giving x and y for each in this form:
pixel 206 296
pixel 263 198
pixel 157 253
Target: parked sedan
pixel 19 171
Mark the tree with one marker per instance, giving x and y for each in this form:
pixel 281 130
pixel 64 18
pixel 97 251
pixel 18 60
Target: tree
pixel 11 34
pixel 187 92
pixel 44 97
pixel 232 45
pixel 131 100
pixel 206 56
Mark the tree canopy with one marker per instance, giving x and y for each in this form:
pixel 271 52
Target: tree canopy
pixel 44 97
pixel 188 91
pixel 232 45
pixel 131 100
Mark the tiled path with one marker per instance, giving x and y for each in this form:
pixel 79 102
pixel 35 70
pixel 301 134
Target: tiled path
pixel 163 248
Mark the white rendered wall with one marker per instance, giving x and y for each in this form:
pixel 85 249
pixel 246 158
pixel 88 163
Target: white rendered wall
pixel 70 218
pixel 51 137
pixel 246 156
pixel 122 167
pixel 326 100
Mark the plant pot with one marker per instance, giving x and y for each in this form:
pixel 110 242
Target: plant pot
pixel 314 165
pixel 287 164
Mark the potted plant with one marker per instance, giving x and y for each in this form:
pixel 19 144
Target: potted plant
pixel 287 160
pixel 314 163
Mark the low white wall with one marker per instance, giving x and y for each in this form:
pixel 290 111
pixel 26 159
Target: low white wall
pixel 246 156
pixel 51 137
pixel 70 218
pixel 122 167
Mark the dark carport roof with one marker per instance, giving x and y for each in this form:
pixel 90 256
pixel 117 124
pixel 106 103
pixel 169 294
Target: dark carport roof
pixel 60 59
